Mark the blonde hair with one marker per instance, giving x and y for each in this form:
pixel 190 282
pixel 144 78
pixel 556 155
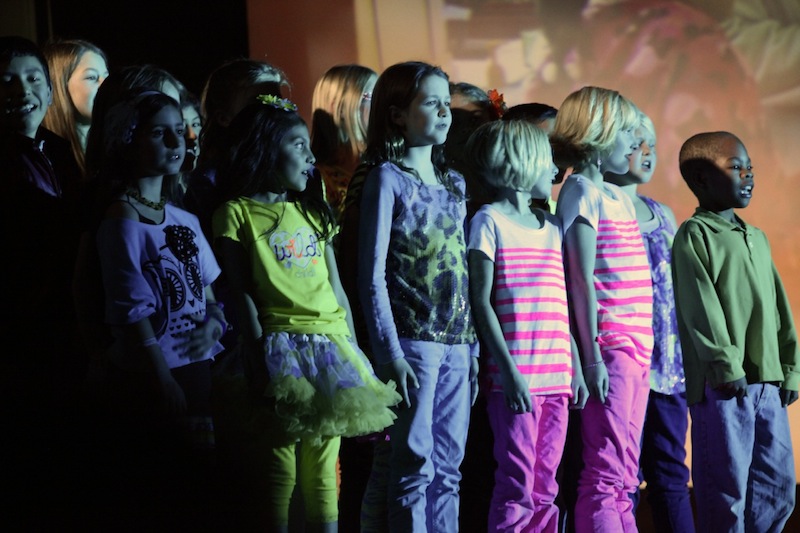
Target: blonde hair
pixel 337 130
pixel 509 154
pixel 587 125
pixel 646 124
pixel 62 60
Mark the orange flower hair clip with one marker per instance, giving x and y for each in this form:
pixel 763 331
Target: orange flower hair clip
pixel 498 104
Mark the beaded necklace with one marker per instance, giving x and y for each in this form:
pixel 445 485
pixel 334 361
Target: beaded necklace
pixel 157 206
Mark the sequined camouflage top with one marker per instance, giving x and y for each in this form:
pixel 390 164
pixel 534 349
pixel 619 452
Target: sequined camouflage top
pixel 413 264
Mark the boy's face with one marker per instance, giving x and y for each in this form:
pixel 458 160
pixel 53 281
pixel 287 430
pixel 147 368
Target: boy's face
pixel 729 185
pixel 25 95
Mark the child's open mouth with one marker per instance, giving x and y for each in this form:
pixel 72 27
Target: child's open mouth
pixel 20 110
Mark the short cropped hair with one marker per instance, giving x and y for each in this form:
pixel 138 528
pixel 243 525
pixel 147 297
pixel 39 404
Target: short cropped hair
pixel 508 154
pixel 587 125
pixel 646 124
pixel 699 151
pixel 14 46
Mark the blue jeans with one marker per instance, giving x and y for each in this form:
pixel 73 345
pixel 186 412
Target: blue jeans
pixel 742 461
pixel 428 439
pixel 663 462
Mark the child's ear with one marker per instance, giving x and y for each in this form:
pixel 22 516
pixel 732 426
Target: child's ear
pixel 397 116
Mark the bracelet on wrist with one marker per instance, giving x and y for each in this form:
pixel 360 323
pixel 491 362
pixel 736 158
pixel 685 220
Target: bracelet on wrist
pixel 596 363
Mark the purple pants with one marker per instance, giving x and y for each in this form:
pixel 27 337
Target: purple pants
pixel 528 448
pixel 611 434
pixel 428 440
pixel 742 461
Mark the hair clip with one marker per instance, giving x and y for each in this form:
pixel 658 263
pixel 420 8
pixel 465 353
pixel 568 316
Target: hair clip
pixel 366 97
pixel 499 106
pixel 277 102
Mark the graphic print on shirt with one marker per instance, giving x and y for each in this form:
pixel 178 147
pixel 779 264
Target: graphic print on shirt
pixel 298 250
pixel 178 274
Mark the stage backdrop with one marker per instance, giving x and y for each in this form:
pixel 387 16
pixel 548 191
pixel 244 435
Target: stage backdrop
pixel 691 66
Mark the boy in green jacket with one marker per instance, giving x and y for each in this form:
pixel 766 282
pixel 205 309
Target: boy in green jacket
pixel 739 344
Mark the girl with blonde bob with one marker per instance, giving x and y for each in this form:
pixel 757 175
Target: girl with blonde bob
pixel 519 302
pixel 341 102
pixel 611 299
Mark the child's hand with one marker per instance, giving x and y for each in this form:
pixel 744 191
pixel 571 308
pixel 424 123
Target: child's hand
pixel 399 371
pixel 473 379
pixel 200 339
pixel 580 393
pixel 516 391
pixel 174 400
pixel 596 377
pixel 736 388
pixel 788 397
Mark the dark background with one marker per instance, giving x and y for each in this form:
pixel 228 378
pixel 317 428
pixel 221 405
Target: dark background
pixel 188 38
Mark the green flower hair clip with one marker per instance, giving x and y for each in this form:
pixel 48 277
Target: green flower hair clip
pixel 276 102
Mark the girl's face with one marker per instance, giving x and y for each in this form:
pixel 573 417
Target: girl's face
pixel 159 145
pixel 90 72
pixel 366 102
pixel 192 125
pixel 643 160
pixel 617 161
pixel 543 188
pixel 426 120
pixel 295 160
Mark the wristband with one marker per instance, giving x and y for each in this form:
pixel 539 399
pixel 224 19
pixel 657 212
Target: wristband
pixel 149 341
pixel 596 363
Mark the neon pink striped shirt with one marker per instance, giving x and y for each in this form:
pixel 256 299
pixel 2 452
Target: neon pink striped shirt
pixel 622 272
pixel 530 298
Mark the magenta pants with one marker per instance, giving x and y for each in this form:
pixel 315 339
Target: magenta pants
pixel 611 434
pixel 527 448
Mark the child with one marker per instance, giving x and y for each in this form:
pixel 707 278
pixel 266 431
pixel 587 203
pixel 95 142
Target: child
pixel 610 294
pixel 78 69
pixel 739 343
pixel 519 301
pixel 412 273
pixel 341 102
pixel 663 459
pixel 299 351
pixel 229 88
pixel 193 121
pixel 169 331
pixel 157 269
pixel 39 377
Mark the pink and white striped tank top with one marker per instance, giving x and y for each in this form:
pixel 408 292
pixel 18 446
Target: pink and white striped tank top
pixel 622 273
pixel 530 298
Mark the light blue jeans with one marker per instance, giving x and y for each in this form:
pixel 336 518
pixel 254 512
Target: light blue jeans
pixel 742 461
pixel 428 440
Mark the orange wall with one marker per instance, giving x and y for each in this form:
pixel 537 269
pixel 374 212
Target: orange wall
pixel 305 38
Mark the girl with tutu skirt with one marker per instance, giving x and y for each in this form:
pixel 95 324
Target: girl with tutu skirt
pixel 299 352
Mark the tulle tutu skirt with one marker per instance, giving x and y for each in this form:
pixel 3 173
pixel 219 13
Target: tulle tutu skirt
pixel 323 385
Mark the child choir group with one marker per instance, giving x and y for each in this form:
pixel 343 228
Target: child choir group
pixel 250 290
